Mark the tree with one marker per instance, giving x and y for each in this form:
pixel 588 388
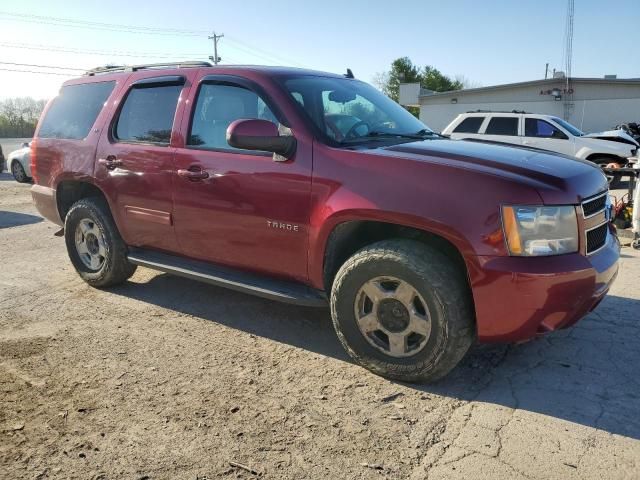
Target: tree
pixel 404 71
pixel 18 116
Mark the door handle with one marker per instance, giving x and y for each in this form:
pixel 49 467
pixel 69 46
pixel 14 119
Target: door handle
pixel 110 162
pixel 193 173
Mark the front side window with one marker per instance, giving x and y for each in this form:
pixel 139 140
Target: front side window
pixel 469 125
pixel 217 106
pixel 73 112
pixel 147 114
pixel 347 111
pixel 576 132
pixel 502 126
pixel 535 127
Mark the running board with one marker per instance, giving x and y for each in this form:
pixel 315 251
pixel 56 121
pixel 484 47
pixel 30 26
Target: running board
pixel 273 289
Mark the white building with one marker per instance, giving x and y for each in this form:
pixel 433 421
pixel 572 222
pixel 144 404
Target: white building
pixel 591 104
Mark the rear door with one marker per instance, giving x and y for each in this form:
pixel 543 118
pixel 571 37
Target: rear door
pixel 469 127
pixel 503 128
pixel 539 133
pixel 135 159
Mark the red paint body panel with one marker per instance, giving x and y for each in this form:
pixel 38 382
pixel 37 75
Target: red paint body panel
pixel 453 189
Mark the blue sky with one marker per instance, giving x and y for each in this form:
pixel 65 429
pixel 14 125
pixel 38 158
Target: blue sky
pixel 489 42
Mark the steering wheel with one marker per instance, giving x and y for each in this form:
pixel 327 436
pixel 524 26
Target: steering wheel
pixel 351 132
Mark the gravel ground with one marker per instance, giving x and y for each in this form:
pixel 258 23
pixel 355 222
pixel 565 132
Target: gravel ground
pixel 167 378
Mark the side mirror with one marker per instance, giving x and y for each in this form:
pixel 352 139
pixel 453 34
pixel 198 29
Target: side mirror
pixel 25 144
pixel 262 135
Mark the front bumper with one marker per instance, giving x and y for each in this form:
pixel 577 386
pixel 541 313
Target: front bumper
pixel 517 298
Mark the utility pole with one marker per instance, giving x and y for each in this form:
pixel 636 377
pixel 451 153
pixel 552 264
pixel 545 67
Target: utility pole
pixel 546 71
pixel 215 58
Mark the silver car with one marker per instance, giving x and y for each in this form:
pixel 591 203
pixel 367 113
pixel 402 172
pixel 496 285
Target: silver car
pixel 19 163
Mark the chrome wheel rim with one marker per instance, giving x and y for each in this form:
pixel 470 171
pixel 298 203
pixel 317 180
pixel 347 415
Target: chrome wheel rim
pixel 90 244
pixel 392 316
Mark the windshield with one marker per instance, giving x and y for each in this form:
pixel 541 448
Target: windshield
pixel 567 126
pixel 349 111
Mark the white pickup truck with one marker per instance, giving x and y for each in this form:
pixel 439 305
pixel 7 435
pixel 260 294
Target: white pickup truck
pixel 545 132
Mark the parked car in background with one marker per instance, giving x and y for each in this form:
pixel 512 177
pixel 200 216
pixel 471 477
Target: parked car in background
pixel 19 163
pixel 314 188
pixel 545 132
pixel 2 162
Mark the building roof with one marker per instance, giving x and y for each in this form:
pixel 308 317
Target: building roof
pixel 543 82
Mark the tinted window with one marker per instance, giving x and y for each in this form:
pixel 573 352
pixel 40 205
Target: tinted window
pixel 503 126
pixel 469 125
pixel 147 114
pixel 73 112
pixel 534 127
pixel 220 105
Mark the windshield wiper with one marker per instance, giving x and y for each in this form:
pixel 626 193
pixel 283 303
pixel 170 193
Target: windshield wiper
pixel 374 135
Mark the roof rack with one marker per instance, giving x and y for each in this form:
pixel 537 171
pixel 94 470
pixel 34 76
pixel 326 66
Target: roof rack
pixel 135 68
pixel 497 111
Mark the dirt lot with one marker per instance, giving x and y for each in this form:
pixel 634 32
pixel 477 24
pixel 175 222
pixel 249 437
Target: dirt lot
pixel 167 378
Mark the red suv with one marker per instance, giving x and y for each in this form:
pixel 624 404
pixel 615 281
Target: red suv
pixel 313 188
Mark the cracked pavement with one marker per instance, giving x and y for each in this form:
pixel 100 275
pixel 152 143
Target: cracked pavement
pixel 167 378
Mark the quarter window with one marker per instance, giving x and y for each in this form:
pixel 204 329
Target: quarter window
pixel 217 106
pixel 73 112
pixel 147 114
pixel 502 126
pixel 469 125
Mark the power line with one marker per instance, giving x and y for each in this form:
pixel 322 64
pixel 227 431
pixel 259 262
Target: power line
pixel 43 66
pixel 123 53
pixel 72 22
pixel 65 21
pixel 34 71
pixel 261 53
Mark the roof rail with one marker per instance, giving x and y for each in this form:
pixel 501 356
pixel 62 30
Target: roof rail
pixel 135 68
pixel 496 111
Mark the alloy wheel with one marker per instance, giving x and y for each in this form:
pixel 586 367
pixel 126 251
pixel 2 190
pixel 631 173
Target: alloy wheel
pixel 393 316
pixel 90 244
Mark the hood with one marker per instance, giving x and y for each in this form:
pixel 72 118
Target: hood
pixel 614 136
pixel 558 179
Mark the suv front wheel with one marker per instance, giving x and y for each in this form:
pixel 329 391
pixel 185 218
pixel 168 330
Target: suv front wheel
pixel 403 310
pixel 95 247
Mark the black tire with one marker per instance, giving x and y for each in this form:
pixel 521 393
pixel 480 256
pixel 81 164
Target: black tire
pixel 115 267
pixel 18 172
pixel 445 291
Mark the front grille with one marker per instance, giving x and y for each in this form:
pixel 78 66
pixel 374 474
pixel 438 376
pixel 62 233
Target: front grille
pixel 594 205
pixel 597 237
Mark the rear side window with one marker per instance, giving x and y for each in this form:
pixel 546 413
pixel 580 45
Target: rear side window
pixel 147 114
pixel 469 125
pixel 502 126
pixel 73 112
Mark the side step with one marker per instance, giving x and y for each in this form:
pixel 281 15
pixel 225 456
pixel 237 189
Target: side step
pixel 273 289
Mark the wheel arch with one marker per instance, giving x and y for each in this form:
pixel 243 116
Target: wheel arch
pixel 69 191
pixel 610 156
pixel 349 236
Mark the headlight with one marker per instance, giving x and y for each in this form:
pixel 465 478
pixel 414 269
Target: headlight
pixel 540 231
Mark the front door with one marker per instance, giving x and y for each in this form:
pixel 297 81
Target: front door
pixel 539 133
pixel 135 162
pixel 235 207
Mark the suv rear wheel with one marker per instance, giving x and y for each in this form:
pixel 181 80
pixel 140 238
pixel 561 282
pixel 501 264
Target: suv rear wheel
pixel 403 310
pixel 95 247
